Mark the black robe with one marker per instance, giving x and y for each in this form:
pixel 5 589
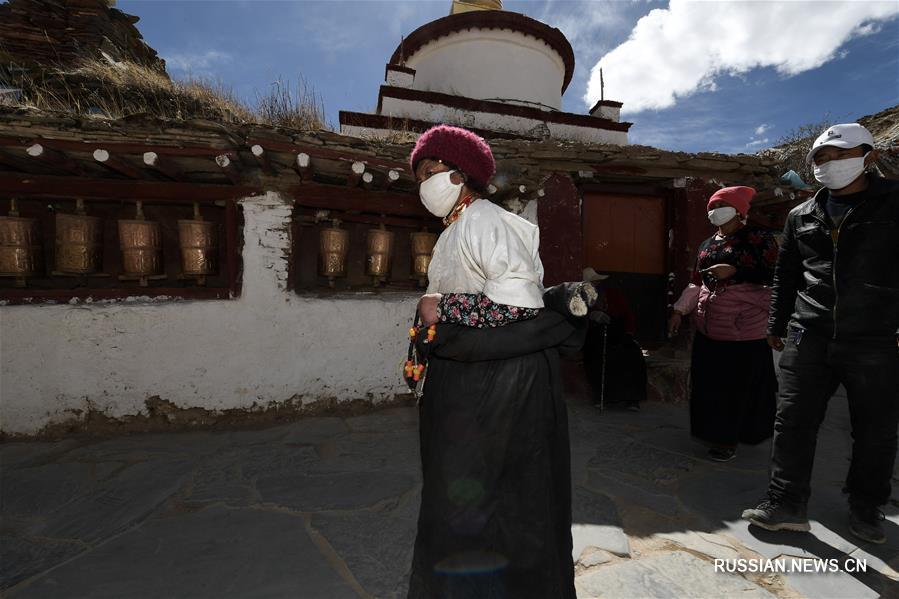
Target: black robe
pixel 495 517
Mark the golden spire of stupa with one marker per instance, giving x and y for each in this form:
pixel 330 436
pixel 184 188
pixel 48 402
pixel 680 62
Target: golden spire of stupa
pixel 460 6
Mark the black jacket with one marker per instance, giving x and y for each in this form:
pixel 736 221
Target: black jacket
pixel 844 285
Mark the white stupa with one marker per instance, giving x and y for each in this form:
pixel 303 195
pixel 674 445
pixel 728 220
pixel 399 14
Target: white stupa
pixel 499 73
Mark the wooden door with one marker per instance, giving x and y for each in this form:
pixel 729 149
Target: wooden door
pixel 625 233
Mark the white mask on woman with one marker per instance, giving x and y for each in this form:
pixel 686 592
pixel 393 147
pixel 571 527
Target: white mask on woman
pixel 720 216
pixel 439 194
pixel 837 174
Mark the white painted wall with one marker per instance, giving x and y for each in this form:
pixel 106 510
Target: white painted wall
pixel 439 113
pixel 491 64
pixel 269 345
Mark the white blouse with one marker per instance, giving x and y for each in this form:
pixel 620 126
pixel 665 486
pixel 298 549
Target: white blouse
pixel 489 250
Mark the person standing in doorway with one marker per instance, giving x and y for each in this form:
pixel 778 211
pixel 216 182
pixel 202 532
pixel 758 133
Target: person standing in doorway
pixel 836 301
pixel 733 390
pixel 613 359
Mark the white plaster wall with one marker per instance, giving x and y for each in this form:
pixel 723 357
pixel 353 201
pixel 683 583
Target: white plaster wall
pixel 399 78
pixel 438 113
pixel 269 345
pixel 491 64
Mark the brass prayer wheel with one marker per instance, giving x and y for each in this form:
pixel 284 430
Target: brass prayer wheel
pixel 78 242
pixel 334 244
pixel 380 254
pixel 199 245
pixel 20 248
pixel 422 248
pixel 141 244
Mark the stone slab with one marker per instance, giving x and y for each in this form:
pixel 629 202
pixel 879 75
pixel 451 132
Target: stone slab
pixel 385 420
pixel 714 546
pixel 210 554
pixel 23 557
pixel 312 431
pixel 118 503
pixel 676 575
pixel 610 538
pixel 333 491
pixel 375 545
pixel 595 557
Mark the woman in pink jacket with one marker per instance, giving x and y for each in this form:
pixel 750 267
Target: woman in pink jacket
pixel 732 397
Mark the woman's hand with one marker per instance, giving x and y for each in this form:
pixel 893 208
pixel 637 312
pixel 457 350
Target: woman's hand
pixel 776 342
pixel 427 308
pixel 674 322
pixel 721 272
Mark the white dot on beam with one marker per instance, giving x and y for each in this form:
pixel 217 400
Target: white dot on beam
pixel 222 160
pixel 303 160
pixel 257 150
pixel 358 167
pixel 101 155
pixel 150 158
pixel 368 177
pixel 35 150
pixel 393 175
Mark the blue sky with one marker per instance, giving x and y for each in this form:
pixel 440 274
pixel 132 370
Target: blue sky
pixel 702 76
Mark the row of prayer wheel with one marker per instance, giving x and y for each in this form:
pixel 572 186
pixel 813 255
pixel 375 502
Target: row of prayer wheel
pixel 334 244
pixel 79 243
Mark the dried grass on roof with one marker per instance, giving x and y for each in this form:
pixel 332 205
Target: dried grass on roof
pixel 118 90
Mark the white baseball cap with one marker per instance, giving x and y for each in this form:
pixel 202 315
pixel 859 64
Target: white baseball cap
pixel 848 135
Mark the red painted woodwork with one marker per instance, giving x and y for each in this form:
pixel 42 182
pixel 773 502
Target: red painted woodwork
pixel 561 244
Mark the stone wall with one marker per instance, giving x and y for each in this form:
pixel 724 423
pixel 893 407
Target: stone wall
pixel 270 346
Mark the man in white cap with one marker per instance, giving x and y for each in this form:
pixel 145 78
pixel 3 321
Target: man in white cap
pixel 836 300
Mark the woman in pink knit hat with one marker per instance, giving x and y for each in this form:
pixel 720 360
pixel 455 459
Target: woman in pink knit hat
pixel 495 517
pixel 732 395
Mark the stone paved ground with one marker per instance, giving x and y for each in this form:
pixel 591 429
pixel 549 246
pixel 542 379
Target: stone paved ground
pixel 326 508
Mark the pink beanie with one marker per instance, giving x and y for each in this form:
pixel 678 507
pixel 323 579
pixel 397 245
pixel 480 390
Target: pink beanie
pixel 458 147
pixel 739 197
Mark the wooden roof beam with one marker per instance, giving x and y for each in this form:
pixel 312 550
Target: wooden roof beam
pixel 356 171
pixel 55 158
pixel 230 167
pixel 303 166
pixel 262 158
pixel 117 165
pixel 393 176
pixel 164 165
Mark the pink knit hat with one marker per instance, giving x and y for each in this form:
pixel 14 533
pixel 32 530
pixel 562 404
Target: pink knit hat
pixel 739 197
pixel 460 148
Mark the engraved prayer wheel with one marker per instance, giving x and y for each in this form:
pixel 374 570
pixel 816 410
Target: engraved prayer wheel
pixel 380 254
pixel 79 242
pixel 141 244
pixel 20 248
pixel 199 245
pixel 334 244
pixel 422 248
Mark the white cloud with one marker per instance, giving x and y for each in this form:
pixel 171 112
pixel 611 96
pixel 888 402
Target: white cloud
pixel 757 142
pixel 674 52
pixel 762 128
pixel 197 63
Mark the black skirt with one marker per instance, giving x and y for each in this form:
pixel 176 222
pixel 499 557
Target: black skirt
pixel 733 391
pixel 495 517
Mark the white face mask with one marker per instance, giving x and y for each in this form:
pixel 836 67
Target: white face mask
pixel 837 174
pixel 719 216
pixel 439 193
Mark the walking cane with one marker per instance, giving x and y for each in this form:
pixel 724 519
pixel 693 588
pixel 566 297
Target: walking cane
pixel 602 382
